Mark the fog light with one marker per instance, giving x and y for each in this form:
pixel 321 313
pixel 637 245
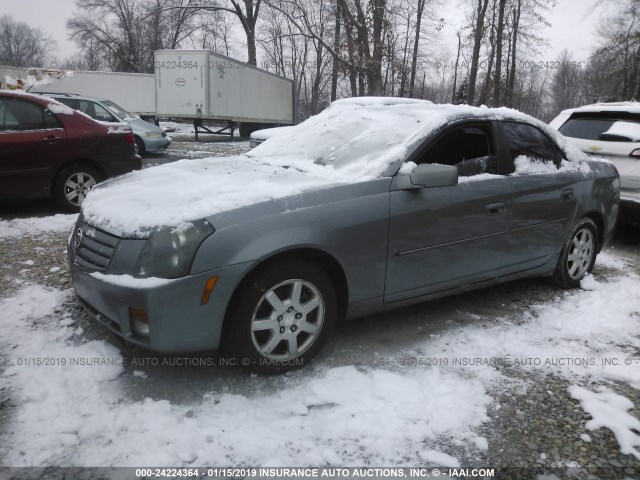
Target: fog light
pixel 139 322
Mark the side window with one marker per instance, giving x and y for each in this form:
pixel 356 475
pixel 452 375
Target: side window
pixel 22 115
pixel 529 141
pixel 7 120
pixel 51 121
pixel 95 111
pixel 103 114
pixel 470 148
pixel 87 108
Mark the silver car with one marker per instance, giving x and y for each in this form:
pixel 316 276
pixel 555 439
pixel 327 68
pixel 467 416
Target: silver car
pixel 149 137
pixel 371 205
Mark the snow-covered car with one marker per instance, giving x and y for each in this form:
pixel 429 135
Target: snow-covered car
pixel 611 131
pixel 49 150
pixel 148 137
pixel 260 136
pixel 373 204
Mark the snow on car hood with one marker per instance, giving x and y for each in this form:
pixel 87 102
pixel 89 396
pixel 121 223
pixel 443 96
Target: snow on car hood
pixel 169 195
pixel 354 140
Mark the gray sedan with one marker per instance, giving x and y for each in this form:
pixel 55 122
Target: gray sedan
pixel 371 205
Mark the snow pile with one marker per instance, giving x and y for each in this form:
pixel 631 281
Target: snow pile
pixel 60 108
pixel 22 227
pixel 609 410
pixel 569 336
pixel 77 413
pixel 128 281
pixel 532 166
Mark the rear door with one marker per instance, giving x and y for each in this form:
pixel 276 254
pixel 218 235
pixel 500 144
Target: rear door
pixel 544 198
pixel 445 237
pixel 32 144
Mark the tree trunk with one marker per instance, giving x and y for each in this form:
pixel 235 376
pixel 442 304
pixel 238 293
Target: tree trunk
pixel 455 73
pixel 416 42
pixel 336 61
pixel 477 43
pixel 514 51
pixel 497 84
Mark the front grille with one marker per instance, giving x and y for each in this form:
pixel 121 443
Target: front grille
pixel 95 247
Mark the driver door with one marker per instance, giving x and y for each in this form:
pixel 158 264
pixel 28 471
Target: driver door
pixel 446 237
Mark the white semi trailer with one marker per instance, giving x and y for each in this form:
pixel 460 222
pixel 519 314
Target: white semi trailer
pixel 201 85
pixel 135 92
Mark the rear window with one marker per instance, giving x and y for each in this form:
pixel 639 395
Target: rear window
pixel 603 128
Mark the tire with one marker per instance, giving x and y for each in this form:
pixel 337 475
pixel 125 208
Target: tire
pixel 140 148
pixel 578 254
pixel 297 303
pixel 72 185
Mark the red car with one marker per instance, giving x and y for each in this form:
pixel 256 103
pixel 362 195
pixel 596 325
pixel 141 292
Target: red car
pixel 49 150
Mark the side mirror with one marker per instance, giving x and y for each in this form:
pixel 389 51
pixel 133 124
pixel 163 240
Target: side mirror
pixel 434 175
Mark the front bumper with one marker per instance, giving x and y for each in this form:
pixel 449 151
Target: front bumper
pixel 156 144
pixel 178 323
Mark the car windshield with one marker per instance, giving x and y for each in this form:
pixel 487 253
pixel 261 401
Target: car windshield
pixel 603 128
pixel 353 138
pixel 117 109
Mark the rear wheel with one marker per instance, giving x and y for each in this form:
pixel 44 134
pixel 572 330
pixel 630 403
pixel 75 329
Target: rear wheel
pixel 578 254
pixel 72 186
pixel 282 317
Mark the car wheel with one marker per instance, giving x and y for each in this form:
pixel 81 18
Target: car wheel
pixel 72 185
pixel 578 254
pixel 140 148
pixel 282 318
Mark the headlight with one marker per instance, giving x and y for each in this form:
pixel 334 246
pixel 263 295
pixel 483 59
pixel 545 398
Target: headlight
pixel 169 252
pixel 153 135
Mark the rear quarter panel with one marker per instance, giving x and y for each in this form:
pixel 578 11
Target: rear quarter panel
pixel 600 194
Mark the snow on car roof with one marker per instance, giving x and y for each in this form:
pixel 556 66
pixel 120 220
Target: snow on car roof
pixel 631 107
pixel 365 137
pixel 353 140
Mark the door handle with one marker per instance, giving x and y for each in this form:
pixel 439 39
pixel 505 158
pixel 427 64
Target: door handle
pixel 495 208
pixel 51 139
pixel 567 194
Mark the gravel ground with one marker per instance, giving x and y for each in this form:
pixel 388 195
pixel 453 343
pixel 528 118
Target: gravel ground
pixel 535 425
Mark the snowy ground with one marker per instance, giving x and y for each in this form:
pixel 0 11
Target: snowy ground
pixel 423 385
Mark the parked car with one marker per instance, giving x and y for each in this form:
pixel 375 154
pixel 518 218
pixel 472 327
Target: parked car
pixel 371 205
pixel 47 149
pixel 611 131
pixel 259 136
pixel 149 137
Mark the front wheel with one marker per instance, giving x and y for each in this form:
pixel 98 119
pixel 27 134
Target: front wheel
pixel 72 186
pixel 282 317
pixel 578 254
pixel 141 149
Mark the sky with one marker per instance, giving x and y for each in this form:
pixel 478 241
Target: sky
pixel 573 25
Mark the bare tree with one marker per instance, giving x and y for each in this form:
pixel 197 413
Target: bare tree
pixel 365 23
pixel 128 31
pixel 566 87
pixel 22 45
pixel 479 13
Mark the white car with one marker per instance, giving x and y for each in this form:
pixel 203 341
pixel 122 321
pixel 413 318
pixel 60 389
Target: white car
pixel 611 131
pixel 260 136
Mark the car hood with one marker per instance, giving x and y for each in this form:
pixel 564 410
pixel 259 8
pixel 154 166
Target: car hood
pixel 172 195
pixel 142 125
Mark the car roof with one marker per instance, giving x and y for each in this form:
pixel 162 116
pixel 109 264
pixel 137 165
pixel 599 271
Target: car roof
pixel 73 95
pixel 22 94
pixel 627 107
